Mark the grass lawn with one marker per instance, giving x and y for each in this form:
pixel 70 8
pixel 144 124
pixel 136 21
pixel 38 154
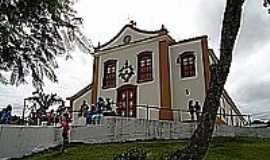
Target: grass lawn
pixel 221 149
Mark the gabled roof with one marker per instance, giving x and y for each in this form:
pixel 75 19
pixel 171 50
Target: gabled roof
pixel 212 56
pixel 135 33
pixel 80 92
pixel 232 104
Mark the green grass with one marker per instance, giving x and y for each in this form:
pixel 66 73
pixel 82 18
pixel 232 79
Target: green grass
pixel 221 149
pixel 239 149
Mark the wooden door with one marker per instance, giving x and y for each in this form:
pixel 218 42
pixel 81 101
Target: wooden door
pixel 126 100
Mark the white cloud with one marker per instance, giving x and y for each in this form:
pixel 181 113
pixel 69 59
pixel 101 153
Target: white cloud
pixel 73 74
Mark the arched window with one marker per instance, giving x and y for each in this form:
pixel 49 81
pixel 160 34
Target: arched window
pixel 144 67
pixel 187 61
pixel 109 78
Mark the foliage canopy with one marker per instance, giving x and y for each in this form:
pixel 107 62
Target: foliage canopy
pixel 32 34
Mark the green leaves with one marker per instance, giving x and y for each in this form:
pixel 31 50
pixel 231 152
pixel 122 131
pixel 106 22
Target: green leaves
pixel 266 4
pixel 134 153
pixel 43 100
pixel 32 34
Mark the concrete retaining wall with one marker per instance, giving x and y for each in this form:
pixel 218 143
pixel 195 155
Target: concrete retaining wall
pixel 229 131
pixel 17 141
pixel 119 130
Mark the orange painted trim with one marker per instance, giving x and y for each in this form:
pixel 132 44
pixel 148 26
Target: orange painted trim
pixel 206 63
pixel 95 80
pixel 165 88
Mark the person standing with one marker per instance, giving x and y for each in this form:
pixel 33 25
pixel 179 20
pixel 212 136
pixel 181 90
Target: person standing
pixel 197 108
pixel 3 115
pixel 83 108
pixel 108 105
pixel 100 105
pixel 6 116
pixel 65 130
pixel 51 117
pixel 87 115
pixel 191 109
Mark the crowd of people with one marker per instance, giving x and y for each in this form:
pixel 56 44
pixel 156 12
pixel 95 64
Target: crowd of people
pixel 95 112
pixel 5 115
pixel 194 109
pixel 61 117
pixel 51 117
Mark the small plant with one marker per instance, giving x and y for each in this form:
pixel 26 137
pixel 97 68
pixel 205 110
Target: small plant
pixel 134 153
pixel 169 155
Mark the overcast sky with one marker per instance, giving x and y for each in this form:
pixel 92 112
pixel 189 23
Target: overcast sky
pixel 249 80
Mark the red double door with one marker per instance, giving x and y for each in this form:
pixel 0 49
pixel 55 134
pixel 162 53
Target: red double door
pixel 126 100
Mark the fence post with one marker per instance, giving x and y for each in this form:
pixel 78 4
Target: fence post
pixel 249 120
pixel 24 105
pixel 147 111
pixel 232 118
pixel 181 116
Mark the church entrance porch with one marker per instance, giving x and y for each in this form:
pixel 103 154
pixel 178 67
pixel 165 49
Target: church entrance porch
pixel 126 100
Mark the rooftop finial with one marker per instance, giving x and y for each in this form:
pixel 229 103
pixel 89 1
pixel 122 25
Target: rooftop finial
pixel 163 27
pixel 132 23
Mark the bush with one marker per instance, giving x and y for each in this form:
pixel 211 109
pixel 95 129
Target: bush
pixel 134 153
pixel 169 155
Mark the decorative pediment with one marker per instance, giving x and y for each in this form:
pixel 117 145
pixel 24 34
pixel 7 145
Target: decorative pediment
pixel 130 33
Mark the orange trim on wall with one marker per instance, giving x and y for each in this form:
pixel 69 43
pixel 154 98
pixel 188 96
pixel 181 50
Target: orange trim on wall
pixel 206 63
pixel 95 80
pixel 164 74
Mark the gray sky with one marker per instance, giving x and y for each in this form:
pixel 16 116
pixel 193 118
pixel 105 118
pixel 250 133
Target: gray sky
pixel 249 80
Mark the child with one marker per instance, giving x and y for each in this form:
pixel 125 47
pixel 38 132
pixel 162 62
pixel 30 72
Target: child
pixel 65 129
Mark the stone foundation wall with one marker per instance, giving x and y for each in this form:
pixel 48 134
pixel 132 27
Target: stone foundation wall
pixel 17 141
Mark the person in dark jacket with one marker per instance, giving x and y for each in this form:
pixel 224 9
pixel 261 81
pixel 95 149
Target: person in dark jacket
pixel 191 109
pixel 108 105
pixel 100 105
pixel 6 115
pixel 83 108
pixel 197 108
pixel 2 115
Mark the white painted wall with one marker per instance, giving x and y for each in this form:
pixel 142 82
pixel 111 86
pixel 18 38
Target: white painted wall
pixel 78 120
pixel 17 141
pixel 128 129
pixel 148 92
pixel 195 85
pixel 135 36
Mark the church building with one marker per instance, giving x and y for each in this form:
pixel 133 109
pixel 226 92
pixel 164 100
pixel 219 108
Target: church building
pixel 150 75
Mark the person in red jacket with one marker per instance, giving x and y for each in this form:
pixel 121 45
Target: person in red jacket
pixel 65 130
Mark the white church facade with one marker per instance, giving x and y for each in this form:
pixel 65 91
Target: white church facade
pixel 149 75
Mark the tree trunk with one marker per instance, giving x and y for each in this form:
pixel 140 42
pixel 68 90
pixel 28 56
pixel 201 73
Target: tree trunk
pixel 199 143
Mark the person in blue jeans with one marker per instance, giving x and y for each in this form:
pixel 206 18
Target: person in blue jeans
pixel 89 115
pixel 100 106
pixel 2 115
